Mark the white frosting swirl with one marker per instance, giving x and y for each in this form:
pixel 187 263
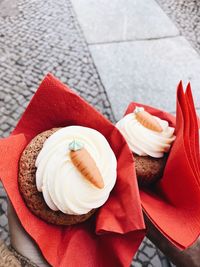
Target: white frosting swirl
pixel 143 141
pixel 63 186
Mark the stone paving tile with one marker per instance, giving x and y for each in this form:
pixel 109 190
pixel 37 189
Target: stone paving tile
pixel 148 255
pixel 137 264
pixel 2 192
pixel 8 8
pixel 186 15
pixel 3 220
pixel 3 217
pixel 147 71
pixel 121 20
pixel 156 261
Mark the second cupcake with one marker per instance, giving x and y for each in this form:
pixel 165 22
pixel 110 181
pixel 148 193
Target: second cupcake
pixel 150 139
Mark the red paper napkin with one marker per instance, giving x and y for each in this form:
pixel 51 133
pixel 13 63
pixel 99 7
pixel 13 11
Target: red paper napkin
pixel 173 204
pixel 109 238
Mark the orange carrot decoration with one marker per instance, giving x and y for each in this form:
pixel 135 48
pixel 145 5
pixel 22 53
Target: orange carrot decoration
pixel 147 120
pixel 85 164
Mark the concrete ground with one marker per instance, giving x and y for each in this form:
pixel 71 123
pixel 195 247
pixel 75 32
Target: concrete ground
pixel 139 52
pixel 110 52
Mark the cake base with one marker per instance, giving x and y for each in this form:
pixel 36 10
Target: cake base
pixel 148 169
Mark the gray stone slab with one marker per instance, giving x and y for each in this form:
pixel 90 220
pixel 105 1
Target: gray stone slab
pixel 136 264
pixel 156 261
pixel 121 20
pixel 8 8
pixel 149 251
pixel 147 72
pixel 2 192
pixel 3 220
pixel 185 15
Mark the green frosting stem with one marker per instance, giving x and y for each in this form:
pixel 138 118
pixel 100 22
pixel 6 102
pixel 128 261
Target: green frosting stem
pixel 75 145
pixel 137 110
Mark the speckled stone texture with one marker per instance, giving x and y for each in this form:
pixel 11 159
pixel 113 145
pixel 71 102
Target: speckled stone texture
pixel 43 37
pixel 3 216
pixel 149 256
pixel 186 15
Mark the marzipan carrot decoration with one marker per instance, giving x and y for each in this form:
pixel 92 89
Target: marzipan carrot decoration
pixel 147 120
pixel 86 165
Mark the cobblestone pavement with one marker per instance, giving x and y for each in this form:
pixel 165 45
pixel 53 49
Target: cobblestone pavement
pixel 149 256
pixel 41 37
pixel 37 37
pixel 186 16
pixel 3 218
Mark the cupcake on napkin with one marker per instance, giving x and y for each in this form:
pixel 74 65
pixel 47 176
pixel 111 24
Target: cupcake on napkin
pixel 173 202
pixel 150 139
pixel 64 175
pixel 44 169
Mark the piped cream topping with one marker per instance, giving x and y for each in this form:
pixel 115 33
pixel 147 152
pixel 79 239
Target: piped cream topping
pixel 62 185
pixel 144 141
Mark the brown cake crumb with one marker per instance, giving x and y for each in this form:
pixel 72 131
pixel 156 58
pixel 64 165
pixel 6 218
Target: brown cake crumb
pixel 149 169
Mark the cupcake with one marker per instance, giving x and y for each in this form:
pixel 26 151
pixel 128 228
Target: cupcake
pixel 150 139
pixel 65 174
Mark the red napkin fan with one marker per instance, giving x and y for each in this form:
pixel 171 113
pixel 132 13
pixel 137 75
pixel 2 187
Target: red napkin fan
pixel 113 234
pixel 173 204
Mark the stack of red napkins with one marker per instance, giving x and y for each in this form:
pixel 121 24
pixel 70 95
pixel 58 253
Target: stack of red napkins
pixel 114 233
pixel 173 204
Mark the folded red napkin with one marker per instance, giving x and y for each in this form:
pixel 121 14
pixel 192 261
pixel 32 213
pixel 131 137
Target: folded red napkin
pixel 113 234
pixel 173 204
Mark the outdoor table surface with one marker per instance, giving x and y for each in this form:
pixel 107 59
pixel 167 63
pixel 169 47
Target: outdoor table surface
pixel 186 258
